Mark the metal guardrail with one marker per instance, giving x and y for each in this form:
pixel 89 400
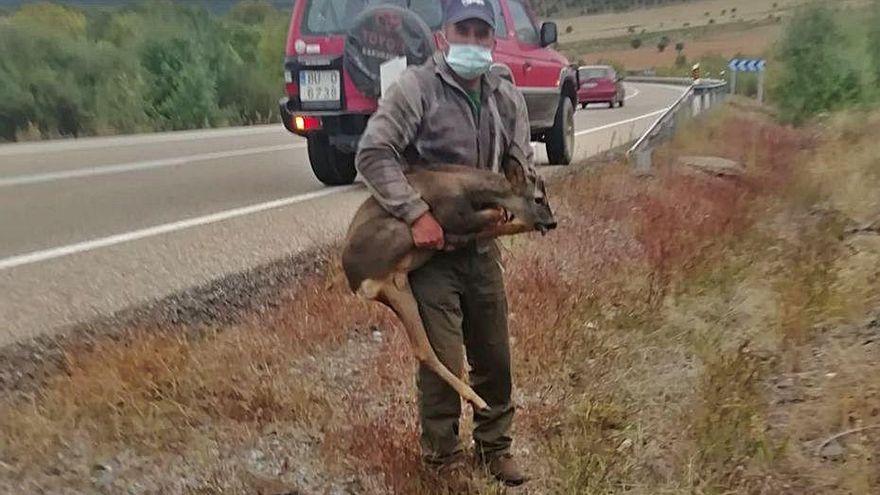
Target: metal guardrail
pixel 700 95
pixel 676 81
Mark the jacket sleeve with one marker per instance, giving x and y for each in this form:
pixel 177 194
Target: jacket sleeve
pixel 519 151
pixel 379 158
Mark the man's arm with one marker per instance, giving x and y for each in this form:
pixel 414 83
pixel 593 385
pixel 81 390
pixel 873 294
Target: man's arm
pixel 520 153
pixel 379 158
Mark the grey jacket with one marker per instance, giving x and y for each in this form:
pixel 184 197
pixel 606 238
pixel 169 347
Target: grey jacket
pixel 426 117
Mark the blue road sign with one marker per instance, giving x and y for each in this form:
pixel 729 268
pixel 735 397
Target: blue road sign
pixel 747 65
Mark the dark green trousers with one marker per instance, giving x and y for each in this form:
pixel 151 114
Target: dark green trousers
pixel 463 304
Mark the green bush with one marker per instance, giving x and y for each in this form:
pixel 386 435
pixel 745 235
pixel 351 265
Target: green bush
pixel 873 46
pixel 45 16
pixel 663 43
pixel 62 93
pixel 816 73
pixel 151 65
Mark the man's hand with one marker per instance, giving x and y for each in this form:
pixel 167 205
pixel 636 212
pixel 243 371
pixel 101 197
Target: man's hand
pixel 427 233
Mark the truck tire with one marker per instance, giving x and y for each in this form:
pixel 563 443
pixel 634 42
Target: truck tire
pixel 378 34
pixel 331 166
pixel 560 137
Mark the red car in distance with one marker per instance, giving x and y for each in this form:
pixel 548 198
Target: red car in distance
pixel 600 84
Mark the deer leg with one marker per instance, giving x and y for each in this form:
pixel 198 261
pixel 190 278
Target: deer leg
pixel 491 232
pixel 480 221
pixel 395 293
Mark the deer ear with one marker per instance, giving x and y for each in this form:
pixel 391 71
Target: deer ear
pixel 515 175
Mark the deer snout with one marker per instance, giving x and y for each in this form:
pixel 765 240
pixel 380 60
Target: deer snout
pixel 543 228
pixel 544 218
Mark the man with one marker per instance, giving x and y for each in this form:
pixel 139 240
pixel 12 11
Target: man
pixel 452 110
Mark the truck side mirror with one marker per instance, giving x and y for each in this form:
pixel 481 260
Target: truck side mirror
pixel 549 33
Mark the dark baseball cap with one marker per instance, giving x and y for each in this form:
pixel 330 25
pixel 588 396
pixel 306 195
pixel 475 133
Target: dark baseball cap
pixel 460 10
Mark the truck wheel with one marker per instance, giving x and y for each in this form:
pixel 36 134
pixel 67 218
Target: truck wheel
pixel 331 166
pixel 560 138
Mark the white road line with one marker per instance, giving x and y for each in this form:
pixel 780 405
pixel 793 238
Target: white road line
pixel 82 247
pixel 135 139
pixel 615 124
pixel 635 93
pixel 20 180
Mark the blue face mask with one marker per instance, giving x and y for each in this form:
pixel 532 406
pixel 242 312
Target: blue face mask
pixel 469 61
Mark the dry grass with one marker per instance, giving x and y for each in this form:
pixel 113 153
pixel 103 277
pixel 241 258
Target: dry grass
pixel 675 335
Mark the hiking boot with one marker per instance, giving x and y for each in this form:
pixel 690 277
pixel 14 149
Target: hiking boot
pixel 505 470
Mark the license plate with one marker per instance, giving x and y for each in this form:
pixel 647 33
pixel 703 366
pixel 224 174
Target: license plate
pixel 319 85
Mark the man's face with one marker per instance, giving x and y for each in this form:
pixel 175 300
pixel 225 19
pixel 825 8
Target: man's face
pixel 471 32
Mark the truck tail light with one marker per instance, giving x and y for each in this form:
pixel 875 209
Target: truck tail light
pixel 304 123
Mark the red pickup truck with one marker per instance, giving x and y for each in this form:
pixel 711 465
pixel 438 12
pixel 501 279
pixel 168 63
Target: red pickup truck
pixel 335 49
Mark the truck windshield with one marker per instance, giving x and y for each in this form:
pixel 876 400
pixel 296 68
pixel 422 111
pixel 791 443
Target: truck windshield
pixel 323 17
pixel 594 73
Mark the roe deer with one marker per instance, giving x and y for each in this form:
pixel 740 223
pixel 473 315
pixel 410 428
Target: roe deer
pixel 471 205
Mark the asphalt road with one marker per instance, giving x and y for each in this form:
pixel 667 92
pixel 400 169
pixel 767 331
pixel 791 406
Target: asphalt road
pixel 91 226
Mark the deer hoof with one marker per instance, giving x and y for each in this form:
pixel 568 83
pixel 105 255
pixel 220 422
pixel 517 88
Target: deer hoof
pixel 480 404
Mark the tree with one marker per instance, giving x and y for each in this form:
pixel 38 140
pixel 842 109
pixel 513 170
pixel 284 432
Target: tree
pixel 874 40
pixel 815 76
pixel 252 11
pixel 679 47
pixel 664 42
pixel 55 18
pixel 636 43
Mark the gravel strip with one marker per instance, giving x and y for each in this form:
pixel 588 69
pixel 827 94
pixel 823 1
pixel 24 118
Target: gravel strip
pixel 25 366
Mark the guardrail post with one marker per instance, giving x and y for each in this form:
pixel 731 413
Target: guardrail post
pixel 761 87
pixel 642 165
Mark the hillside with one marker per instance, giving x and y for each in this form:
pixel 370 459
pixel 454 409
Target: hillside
pixel 214 5
pixel 545 7
pixel 583 7
pixel 681 15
